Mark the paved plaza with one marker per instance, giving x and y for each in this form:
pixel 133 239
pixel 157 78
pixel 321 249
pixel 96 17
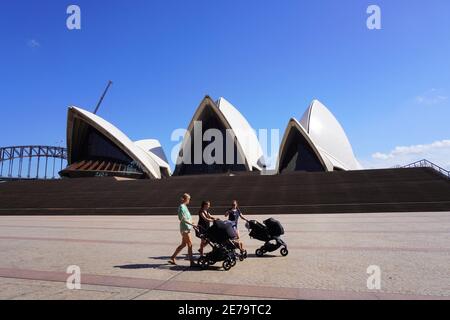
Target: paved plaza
pixel 124 257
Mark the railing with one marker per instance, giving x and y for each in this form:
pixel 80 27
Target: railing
pixel 428 164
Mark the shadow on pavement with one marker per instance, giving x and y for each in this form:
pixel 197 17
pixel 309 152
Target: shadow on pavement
pixel 167 266
pixel 252 255
pixel 161 258
pixel 152 266
pixel 180 257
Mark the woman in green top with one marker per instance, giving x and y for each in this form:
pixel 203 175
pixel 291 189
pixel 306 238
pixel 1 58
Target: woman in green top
pixel 185 229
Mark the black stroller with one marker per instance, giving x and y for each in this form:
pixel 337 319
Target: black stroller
pixel 270 233
pixel 220 237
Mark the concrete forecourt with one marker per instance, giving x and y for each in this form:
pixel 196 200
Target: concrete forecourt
pixel 331 256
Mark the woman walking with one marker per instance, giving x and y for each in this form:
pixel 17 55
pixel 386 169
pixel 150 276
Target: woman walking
pixel 233 214
pixel 204 222
pixel 185 229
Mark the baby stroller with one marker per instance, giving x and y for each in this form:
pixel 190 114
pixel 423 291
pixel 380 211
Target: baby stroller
pixel 220 237
pixel 270 233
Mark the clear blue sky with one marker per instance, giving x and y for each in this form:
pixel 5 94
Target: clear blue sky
pixel 387 87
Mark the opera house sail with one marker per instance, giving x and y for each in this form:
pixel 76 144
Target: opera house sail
pixel 316 143
pixel 95 147
pixel 218 140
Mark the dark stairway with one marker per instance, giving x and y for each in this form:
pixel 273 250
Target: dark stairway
pixel 387 190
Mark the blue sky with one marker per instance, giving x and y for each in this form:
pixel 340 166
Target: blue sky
pixel 389 88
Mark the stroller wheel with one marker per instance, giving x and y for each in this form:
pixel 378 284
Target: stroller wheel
pixel 227 265
pixel 259 252
pixel 233 262
pixel 203 263
pixel 284 251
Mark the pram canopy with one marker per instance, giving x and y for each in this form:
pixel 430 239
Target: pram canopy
pixel 221 231
pixel 265 232
pixel 258 231
pixel 274 227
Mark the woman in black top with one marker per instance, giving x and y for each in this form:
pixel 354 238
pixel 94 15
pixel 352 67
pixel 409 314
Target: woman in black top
pixel 204 222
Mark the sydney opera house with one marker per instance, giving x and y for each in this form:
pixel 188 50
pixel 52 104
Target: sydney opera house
pixel 245 154
pixel 95 147
pixel 317 142
pixel 219 158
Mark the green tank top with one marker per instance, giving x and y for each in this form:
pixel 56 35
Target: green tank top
pixel 184 214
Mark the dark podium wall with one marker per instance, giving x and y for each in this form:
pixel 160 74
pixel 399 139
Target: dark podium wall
pixel 390 190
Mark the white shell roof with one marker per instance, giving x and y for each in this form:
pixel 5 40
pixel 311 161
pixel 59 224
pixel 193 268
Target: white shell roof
pixel 154 149
pixel 294 124
pixel 248 143
pixel 145 159
pixel 329 137
pixel 245 134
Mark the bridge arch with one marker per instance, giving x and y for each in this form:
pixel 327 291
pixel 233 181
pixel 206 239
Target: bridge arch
pixel 31 162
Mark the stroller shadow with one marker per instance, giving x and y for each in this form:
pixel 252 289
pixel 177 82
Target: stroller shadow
pixel 210 268
pixel 177 267
pixel 160 258
pixel 267 256
pixel 165 266
pixel 183 257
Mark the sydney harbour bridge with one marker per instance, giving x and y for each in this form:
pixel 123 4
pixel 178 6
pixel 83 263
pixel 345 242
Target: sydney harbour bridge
pixel 31 162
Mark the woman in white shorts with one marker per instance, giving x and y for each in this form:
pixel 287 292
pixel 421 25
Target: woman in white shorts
pixel 185 229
